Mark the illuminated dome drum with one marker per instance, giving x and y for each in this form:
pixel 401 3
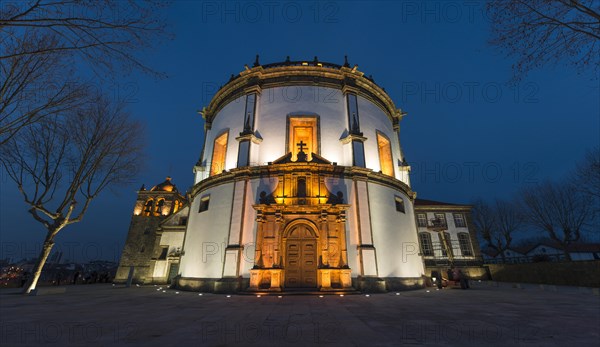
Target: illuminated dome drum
pixel 301 185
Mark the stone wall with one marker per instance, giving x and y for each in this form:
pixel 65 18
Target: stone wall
pixel 578 273
pixel 140 248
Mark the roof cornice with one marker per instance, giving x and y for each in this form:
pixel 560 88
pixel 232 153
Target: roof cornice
pixel 346 79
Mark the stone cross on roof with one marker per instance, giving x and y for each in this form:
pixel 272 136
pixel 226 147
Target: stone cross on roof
pixel 301 145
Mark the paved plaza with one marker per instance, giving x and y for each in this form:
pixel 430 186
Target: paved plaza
pixel 485 315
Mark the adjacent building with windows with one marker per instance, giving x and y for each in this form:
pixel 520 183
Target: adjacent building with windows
pixel 302 185
pixel 447 237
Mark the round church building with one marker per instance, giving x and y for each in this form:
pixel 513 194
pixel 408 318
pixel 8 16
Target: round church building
pixel 301 186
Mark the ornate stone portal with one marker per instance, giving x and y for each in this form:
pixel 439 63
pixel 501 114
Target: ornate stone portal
pixel 301 240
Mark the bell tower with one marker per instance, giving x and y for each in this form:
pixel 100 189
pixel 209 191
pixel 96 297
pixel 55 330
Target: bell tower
pixel 142 245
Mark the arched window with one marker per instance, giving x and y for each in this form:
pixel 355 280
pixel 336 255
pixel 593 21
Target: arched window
pixel 385 154
pixel 305 130
pixel 148 206
pixel 426 244
pixel 464 241
pixel 176 206
pixel 159 207
pixel 219 152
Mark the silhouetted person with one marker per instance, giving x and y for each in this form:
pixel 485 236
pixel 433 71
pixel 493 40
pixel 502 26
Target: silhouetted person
pixel 438 279
pixel 464 281
pixel 24 278
pixel 459 277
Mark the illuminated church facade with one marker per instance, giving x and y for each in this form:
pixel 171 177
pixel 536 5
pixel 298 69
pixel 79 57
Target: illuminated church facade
pixel 301 185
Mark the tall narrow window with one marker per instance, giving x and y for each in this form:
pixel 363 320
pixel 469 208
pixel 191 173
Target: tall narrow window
pixel 464 241
pixel 459 220
pixel 422 220
pixel 353 119
pixel 244 153
pixel 426 245
pixel 249 115
pixel 303 130
pixel 301 187
pixel 358 149
pixel 385 155
pixel 219 151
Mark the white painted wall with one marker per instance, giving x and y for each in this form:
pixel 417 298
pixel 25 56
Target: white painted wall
pixel 276 104
pixel 372 118
pixel 230 118
pixel 206 236
pixel 173 239
pixel 249 227
pixel 273 107
pixel 352 237
pixel 394 235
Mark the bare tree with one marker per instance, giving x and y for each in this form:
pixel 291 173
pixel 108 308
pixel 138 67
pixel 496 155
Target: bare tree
pixel 106 33
pixel 559 209
pixel 540 32
pixel 61 163
pixel 484 220
pixel 497 223
pixel 46 46
pixel 587 178
pixel 34 87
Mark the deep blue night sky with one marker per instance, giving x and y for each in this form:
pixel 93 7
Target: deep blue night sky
pixel 467 133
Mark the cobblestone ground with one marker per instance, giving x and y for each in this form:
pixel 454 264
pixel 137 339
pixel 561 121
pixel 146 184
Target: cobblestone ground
pixel 485 315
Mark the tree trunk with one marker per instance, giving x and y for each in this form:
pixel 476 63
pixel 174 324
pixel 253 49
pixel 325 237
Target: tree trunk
pixel 448 250
pixel 47 247
pixel 567 254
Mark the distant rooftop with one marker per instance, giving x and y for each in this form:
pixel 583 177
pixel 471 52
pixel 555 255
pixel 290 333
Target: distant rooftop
pixel 423 202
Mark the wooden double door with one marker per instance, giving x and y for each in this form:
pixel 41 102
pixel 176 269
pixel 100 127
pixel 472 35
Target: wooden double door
pixel 301 260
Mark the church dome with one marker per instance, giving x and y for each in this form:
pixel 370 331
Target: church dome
pixel 332 111
pixel 166 186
